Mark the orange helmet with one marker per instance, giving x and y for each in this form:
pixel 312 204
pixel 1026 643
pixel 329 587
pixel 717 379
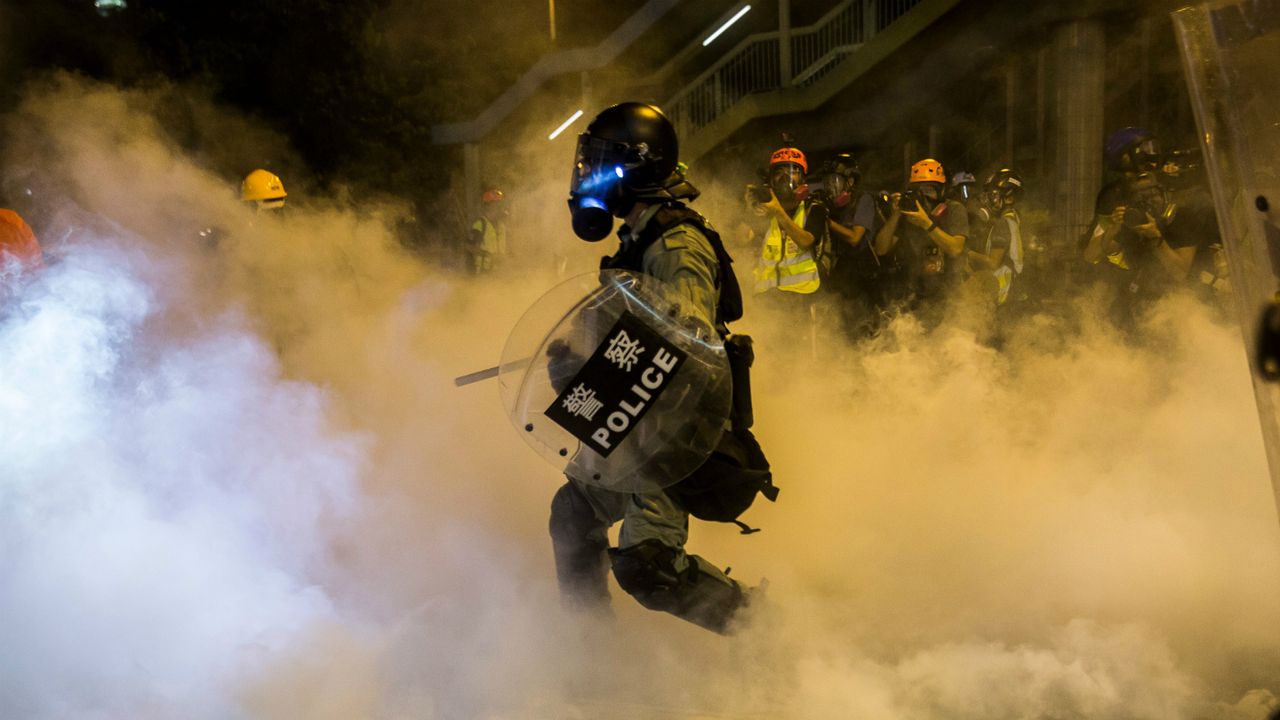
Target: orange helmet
pixel 492 195
pixel 928 171
pixel 789 155
pixel 17 240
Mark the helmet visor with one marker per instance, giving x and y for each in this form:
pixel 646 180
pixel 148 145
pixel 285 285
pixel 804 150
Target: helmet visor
pixel 786 177
pixel 931 191
pixel 835 183
pixel 1147 155
pixel 599 166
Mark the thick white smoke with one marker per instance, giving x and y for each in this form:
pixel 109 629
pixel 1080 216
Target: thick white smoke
pixel 160 529
pixel 236 481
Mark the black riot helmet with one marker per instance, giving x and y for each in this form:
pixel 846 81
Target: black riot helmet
pixel 628 152
pixel 1002 189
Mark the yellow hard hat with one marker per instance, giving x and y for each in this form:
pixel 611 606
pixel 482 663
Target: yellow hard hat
pixel 928 170
pixel 262 186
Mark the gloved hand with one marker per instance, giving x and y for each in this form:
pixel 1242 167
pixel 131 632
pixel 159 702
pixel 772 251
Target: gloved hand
pixel 562 364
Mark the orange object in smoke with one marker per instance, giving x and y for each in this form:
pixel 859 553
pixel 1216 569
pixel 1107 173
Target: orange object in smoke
pixel 928 171
pixel 492 195
pixel 789 155
pixel 18 241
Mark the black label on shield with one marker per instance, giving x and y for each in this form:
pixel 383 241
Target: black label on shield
pixel 621 380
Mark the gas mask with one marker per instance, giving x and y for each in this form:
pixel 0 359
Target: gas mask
pixel 838 187
pixel 598 190
pixel 787 182
pixel 1147 194
pixel 928 194
pixel 993 202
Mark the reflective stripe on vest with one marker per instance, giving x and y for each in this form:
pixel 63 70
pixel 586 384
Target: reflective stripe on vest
pixel 783 264
pixel 494 237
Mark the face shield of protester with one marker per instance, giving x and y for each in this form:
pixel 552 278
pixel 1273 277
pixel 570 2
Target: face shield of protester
pixel 840 179
pixel 1133 150
pixel 964 186
pixel 1150 197
pixel 787 170
pixel 1001 191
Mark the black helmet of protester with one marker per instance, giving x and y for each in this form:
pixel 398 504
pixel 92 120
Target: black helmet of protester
pixel 843 164
pixel 628 152
pixel 1002 189
pixel 1132 149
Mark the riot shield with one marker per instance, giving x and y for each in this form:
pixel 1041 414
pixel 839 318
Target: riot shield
pixel 1229 53
pixel 615 383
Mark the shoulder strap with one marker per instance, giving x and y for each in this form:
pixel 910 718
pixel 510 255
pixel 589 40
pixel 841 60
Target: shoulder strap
pixel 730 292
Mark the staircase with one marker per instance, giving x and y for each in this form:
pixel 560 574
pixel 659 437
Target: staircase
pixel 777 72
pixel 570 61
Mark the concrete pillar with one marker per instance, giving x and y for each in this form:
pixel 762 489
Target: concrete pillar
pixel 1010 115
pixel 1042 111
pixel 1078 58
pixel 784 42
pixel 471 180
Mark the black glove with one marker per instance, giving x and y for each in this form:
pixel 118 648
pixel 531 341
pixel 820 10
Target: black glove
pixel 562 364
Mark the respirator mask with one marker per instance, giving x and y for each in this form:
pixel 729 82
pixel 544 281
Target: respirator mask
pixel 598 190
pixel 788 182
pixel 837 187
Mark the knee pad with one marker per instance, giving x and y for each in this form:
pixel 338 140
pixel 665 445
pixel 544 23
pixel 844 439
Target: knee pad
pixel 647 572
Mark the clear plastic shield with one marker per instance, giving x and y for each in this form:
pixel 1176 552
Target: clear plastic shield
pixel 615 383
pixel 1230 52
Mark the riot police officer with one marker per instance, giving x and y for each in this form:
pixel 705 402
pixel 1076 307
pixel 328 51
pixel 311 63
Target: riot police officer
pixel 627 167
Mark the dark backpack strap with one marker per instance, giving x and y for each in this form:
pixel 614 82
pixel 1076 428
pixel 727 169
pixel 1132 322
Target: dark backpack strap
pixel 730 308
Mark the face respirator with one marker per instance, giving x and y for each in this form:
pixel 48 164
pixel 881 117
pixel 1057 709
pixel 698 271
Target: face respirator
pixel 598 190
pixel 788 183
pixel 836 188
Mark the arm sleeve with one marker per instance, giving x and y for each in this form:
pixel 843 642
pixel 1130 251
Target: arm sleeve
pixel 956 220
pixel 865 214
pixel 683 258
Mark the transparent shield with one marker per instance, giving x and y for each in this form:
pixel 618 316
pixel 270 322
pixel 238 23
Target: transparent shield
pixel 1229 53
pixel 614 384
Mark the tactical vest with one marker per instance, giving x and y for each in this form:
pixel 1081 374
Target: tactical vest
pixel 726 484
pixel 631 257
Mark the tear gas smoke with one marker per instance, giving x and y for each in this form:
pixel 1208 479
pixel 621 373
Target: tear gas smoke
pixel 235 481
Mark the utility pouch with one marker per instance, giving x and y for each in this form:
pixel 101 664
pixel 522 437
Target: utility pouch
pixel 724 486
pixel 741 357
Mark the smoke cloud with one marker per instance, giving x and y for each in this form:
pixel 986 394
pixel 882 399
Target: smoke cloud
pixel 236 481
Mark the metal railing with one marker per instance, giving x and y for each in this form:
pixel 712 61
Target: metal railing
pixel 755 64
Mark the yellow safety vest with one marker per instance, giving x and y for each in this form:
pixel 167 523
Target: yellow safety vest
pixel 493 242
pixel 783 264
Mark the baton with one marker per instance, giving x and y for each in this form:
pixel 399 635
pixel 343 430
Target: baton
pixel 487 373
